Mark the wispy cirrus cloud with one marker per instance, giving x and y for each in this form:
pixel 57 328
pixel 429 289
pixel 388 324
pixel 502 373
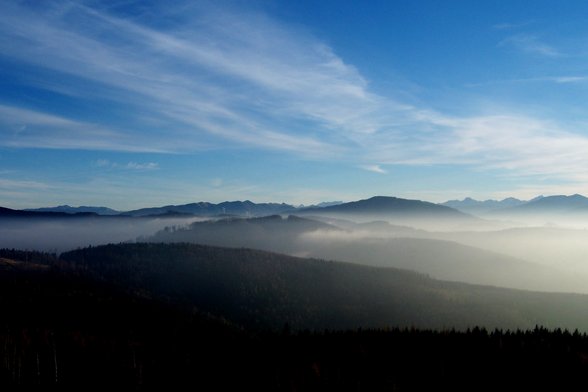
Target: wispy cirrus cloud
pixel 222 79
pixel 564 79
pixel 374 168
pixel 516 144
pixel 237 84
pixel 511 26
pixel 531 44
pixel 128 166
pixel 7 183
pixel 21 127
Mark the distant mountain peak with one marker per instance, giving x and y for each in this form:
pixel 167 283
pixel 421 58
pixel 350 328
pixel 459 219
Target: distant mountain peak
pixel 237 208
pixel 67 209
pixel 390 207
pixel 473 206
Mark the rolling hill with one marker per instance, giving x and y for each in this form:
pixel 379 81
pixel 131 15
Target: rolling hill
pixel 377 244
pixel 267 290
pixel 115 315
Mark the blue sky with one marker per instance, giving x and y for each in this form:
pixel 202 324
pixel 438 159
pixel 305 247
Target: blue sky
pixel 132 104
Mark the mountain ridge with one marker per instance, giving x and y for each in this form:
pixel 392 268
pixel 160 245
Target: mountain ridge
pixel 387 204
pixel 73 210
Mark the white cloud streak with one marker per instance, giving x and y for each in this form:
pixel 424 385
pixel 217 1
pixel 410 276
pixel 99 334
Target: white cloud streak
pixel 128 166
pixel 374 168
pixel 29 128
pixel 530 44
pixel 567 79
pixel 216 80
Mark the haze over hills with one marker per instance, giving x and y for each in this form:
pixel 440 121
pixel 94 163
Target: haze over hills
pixel 540 205
pixel 476 207
pixel 387 270
pixel 378 231
pixel 261 289
pixel 377 244
pixel 116 316
pixel 558 247
pixel 156 315
pixel 551 204
pixel 272 233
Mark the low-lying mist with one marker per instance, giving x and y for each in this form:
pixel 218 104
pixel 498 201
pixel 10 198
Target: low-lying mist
pixel 488 252
pixel 504 258
pixel 59 235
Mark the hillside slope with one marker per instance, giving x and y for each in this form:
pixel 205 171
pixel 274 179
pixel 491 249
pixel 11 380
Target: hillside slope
pixel 267 290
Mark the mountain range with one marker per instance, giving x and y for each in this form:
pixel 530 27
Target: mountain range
pixel 378 206
pixel 558 204
pixel 473 206
pixel 75 210
pixel 46 213
pixel 374 208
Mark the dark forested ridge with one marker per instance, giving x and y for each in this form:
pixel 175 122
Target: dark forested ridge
pixel 266 290
pixel 154 316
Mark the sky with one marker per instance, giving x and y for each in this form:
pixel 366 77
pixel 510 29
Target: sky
pixel 130 104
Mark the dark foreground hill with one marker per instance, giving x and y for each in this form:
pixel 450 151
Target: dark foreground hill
pixel 267 290
pixel 70 326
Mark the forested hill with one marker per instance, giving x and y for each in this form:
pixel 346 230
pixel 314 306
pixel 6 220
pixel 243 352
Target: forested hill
pixel 123 315
pixel 267 290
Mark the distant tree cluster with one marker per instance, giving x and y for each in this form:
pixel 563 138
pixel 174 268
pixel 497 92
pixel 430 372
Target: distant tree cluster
pixel 28 256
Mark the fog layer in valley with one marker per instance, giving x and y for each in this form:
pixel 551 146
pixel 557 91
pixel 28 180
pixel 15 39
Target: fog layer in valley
pixel 542 259
pixel 63 234
pixel 440 242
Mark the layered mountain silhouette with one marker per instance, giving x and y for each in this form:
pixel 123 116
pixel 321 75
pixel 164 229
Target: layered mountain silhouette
pixel 396 210
pixel 416 213
pixel 375 244
pixel 74 210
pixel 10 213
pixel 552 204
pixel 240 208
pixel 472 206
pixel 387 205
